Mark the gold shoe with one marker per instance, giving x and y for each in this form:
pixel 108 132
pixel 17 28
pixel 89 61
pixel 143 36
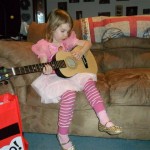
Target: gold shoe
pixel 61 144
pixel 71 148
pixel 110 130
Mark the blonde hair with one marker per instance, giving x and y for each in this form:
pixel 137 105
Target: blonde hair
pixel 55 19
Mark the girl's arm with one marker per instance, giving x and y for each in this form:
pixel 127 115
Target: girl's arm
pixel 43 59
pixel 85 46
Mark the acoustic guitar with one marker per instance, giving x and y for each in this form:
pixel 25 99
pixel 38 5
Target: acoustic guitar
pixel 64 64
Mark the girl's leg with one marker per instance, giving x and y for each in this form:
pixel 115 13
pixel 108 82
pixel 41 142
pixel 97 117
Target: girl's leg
pixel 65 116
pixel 96 101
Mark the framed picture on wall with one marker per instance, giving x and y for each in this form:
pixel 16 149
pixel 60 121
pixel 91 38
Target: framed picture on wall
pixel 78 14
pixel 104 14
pixel 146 11
pixel 39 11
pixel 104 1
pixel 88 0
pixel 119 10
pixel 131 11
pixel 73 1
pixel 62 5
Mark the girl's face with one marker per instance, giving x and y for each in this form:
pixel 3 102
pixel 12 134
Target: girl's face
pixel 61 33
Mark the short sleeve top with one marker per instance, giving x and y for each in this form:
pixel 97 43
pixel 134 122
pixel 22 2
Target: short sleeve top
pixel 45 48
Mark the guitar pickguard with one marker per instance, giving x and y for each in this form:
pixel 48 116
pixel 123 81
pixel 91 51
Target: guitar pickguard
pixel 71 62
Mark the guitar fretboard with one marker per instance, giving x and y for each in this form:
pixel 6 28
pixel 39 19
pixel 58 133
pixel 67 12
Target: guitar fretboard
pixel 38 67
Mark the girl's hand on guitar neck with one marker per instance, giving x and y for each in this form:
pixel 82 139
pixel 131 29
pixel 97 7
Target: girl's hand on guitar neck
pixel 47 69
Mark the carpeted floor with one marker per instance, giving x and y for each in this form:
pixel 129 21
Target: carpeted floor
pixel 49 142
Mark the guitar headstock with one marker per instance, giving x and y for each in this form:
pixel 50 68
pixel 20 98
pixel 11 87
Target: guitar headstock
pixel 5 75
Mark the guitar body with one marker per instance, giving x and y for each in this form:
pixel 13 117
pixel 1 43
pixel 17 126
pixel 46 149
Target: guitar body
pixel 74 66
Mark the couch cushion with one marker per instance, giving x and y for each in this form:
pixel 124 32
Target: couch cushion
pixel 129 86
pixel 128 42
pixel 116 58
pixel 37 31
pixel 103 87
pixel 127 52
pixel 141 58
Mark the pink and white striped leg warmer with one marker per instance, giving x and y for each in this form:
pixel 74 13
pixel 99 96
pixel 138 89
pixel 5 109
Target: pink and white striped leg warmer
pixel 65 116
pixel 96 101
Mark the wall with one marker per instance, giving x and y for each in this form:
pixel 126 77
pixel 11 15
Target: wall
pixel 90 9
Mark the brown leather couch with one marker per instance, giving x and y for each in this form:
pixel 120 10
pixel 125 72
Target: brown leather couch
pixel 123 79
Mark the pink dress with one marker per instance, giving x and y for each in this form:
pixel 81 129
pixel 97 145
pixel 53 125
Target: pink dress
pixel 51 87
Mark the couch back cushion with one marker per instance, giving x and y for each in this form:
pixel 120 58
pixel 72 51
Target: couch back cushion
pixel 37 31
pixel 127 52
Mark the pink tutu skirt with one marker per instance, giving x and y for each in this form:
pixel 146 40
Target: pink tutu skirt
pixel 51 87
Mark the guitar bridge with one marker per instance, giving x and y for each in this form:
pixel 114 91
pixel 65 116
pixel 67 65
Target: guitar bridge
pixel 84 61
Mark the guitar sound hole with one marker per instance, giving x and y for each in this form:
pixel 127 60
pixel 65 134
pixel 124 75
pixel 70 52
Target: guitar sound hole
pixel 70 62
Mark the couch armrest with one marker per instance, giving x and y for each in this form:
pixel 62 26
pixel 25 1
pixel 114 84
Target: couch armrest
pixel 18 54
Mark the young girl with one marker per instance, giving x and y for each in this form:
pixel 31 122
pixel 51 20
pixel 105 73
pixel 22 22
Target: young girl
pixel 54 89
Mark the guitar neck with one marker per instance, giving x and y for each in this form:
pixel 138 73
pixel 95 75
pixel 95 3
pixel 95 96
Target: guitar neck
pixel 38 67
